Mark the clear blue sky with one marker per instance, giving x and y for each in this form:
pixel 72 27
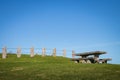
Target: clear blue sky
pixel 80 25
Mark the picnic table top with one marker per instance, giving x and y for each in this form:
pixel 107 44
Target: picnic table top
pixel 90 53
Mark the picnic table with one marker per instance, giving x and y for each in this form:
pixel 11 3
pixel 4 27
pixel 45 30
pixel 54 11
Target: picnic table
pixel 85 57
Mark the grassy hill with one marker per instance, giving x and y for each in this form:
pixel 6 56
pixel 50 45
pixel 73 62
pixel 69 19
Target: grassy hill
pixel 54 68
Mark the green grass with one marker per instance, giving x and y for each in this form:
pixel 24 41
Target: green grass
pixel 54 68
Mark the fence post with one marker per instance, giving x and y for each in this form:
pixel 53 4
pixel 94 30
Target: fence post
pixel 73 53
pixel 43 52
pixel 64 53
pixel 54 52
pixel 18 52
pixel 32 52
pixel 4 53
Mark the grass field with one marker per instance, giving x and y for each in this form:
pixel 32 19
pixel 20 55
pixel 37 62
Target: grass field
pixel 54 68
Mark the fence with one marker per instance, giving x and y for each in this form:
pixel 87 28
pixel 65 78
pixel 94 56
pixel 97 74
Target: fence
pixel 35 51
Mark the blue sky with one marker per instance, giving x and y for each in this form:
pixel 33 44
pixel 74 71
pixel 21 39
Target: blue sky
pixel 80 25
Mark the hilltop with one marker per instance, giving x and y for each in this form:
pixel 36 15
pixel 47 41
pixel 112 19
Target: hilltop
pixel 54 68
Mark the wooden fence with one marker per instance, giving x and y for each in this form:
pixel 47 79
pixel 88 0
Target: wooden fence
pixel 33 51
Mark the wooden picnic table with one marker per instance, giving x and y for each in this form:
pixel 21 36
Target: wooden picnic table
pixel 86 59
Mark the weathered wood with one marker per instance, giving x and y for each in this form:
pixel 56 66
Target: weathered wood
pixel 54 52
pixel 91 60
pixel 96 58
pixel 90 53
pixel 88 61
pixel 76 61
pixel 43 52
pixel 19 52
pixel 73 53
pixel 32 52
pixel 64 53
pixel 4 53
pixel 82 61
pixel 105 60
pixel 108 59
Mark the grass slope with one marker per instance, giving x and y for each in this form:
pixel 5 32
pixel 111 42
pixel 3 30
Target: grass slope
pixel 54 68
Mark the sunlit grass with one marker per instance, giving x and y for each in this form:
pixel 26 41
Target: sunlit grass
pixel 54 68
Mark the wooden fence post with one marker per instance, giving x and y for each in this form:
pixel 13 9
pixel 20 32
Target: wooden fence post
pixel 18 52
pixel 64 53
pixel 32 52
pixel 54 52
pixel 73 53
pixel 4 53
pixel 43 52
